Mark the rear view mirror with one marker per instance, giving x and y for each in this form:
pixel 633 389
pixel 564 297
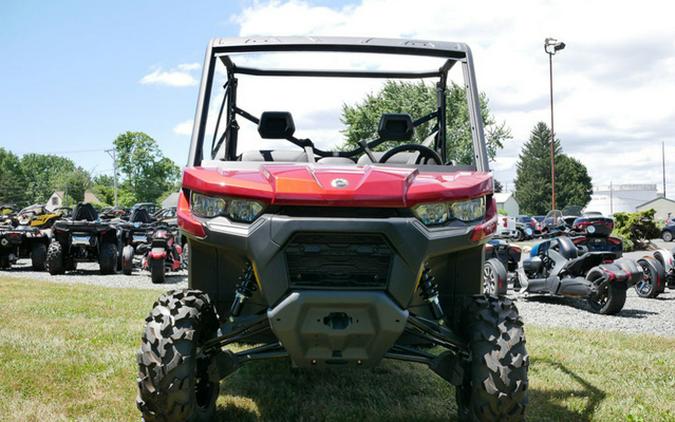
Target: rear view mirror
pixel 395 127
pixel 276 125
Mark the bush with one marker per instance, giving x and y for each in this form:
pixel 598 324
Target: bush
pixel 635 228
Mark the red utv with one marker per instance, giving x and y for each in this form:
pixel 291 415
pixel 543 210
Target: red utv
pixel 332 257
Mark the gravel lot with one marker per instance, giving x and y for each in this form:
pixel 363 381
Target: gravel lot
pixel 652 316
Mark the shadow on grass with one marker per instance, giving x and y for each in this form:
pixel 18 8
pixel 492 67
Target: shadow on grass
pixel 394 391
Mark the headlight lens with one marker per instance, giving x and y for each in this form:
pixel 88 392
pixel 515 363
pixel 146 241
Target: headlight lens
pixel 432 214
pixel 237 209
pixel 436 213
pixel 471 210
pixel 207 206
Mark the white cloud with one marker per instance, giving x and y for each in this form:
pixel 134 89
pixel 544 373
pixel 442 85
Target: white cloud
pixel 183 128
pixel 181 75
pixel 614 83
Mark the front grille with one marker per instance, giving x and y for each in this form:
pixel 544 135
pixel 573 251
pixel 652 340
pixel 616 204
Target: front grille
pixel 338 260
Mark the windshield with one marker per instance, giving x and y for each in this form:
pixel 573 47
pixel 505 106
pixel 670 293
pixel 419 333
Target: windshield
pixel 336 102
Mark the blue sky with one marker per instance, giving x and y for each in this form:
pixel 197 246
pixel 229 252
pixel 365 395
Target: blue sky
pixel 71 72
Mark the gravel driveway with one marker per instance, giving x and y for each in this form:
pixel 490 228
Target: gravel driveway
pixel 652 316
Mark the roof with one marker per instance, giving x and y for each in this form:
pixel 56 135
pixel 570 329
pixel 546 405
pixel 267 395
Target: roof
pixel 171 200
pixel 502 197
pixel 343 44
pixel 658 198
pixel 90 197
pixel 58 193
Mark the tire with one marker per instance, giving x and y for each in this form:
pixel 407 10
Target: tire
pixel 38 256
pixel 173 386
pixel 4 262
pixel 127 259
pixel 156 270
pixel 653 281
pixel 495 380
pixel 520 236
pixel 55 258
pixel 107 258
pixel 609 301
pixel 667 236
pixel 495 277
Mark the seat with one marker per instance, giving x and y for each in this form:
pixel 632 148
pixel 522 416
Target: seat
pixel 567 248
pixel 400 158
pixel 335 160
pixel 84 211
pixel 275 155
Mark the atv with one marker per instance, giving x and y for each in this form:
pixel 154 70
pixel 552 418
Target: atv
pixel 556 267
pixel 501 266
pixel 162 254
pixel 134 238
pixel 83 237
pixel 23 242
pixel 332 258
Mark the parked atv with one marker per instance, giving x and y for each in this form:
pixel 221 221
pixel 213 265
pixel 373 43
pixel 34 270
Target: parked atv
pixel 555 267
pixel 501 266
pixel 83 237
pixel 659 273
pixel 23 242
pixel 134 238
pixel 163 254
pixel 333 259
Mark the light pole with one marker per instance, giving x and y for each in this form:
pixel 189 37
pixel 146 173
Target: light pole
pixel 552 46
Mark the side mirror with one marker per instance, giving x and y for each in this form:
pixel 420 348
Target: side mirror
pixel 396 127
pixel 276 125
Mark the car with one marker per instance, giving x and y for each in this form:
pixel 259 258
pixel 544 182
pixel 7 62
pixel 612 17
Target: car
pixel 526 226
pixel 507 227
pixel 151 207
pixel 668 231
pixel 332 258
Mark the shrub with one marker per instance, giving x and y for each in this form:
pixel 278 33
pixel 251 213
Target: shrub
pixel 635 228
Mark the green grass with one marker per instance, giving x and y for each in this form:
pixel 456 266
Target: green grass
pixel 67 352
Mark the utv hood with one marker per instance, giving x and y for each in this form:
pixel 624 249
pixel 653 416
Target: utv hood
pixel 322 185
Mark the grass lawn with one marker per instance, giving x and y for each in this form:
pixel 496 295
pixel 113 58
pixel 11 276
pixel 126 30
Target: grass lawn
pixel 67 352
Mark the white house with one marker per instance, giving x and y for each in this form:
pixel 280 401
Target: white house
pixel 664 208
pixel 506 202
pixel 620 198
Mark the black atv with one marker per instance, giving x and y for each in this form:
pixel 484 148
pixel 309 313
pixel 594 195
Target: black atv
pixel 83 237
pixel 23 242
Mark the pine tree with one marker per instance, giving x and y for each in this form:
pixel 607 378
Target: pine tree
pixel 533 175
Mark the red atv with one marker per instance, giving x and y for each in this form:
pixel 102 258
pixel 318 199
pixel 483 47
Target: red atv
pixel 333 257
pixel 163 254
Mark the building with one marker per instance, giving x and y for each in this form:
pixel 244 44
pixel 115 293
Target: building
pixel 620 198
pixel 662 206
pixel 506 202
pixel 57 198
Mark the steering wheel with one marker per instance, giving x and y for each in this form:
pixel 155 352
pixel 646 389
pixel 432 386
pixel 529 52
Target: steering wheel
pixel 425 152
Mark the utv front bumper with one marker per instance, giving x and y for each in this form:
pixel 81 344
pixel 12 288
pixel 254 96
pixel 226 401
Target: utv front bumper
pixel 335 290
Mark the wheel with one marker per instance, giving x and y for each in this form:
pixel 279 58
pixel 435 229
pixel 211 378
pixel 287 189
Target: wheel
pixel 667 236
pixel 127 259
pixel 520 235
pixel 4 262
pixel 173 384
pixel 495 277
pixel 653 278
pixel 156 270
pixel 495 380
pixel 609 299
pixel 107 258
pixel 55 262
pixel 38 256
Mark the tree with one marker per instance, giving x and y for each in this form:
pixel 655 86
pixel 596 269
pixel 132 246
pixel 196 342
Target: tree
pixel 418 99
pixel 147 173
pixel 45 174
pixel 12 180
pixel 533 175
pixel 74 183
pixel 498 186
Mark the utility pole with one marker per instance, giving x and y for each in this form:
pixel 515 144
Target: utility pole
pixel 112 154
pixel 552 46
pixel 663 166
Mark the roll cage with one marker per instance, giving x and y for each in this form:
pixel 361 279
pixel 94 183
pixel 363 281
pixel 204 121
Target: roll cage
pixel 222 49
